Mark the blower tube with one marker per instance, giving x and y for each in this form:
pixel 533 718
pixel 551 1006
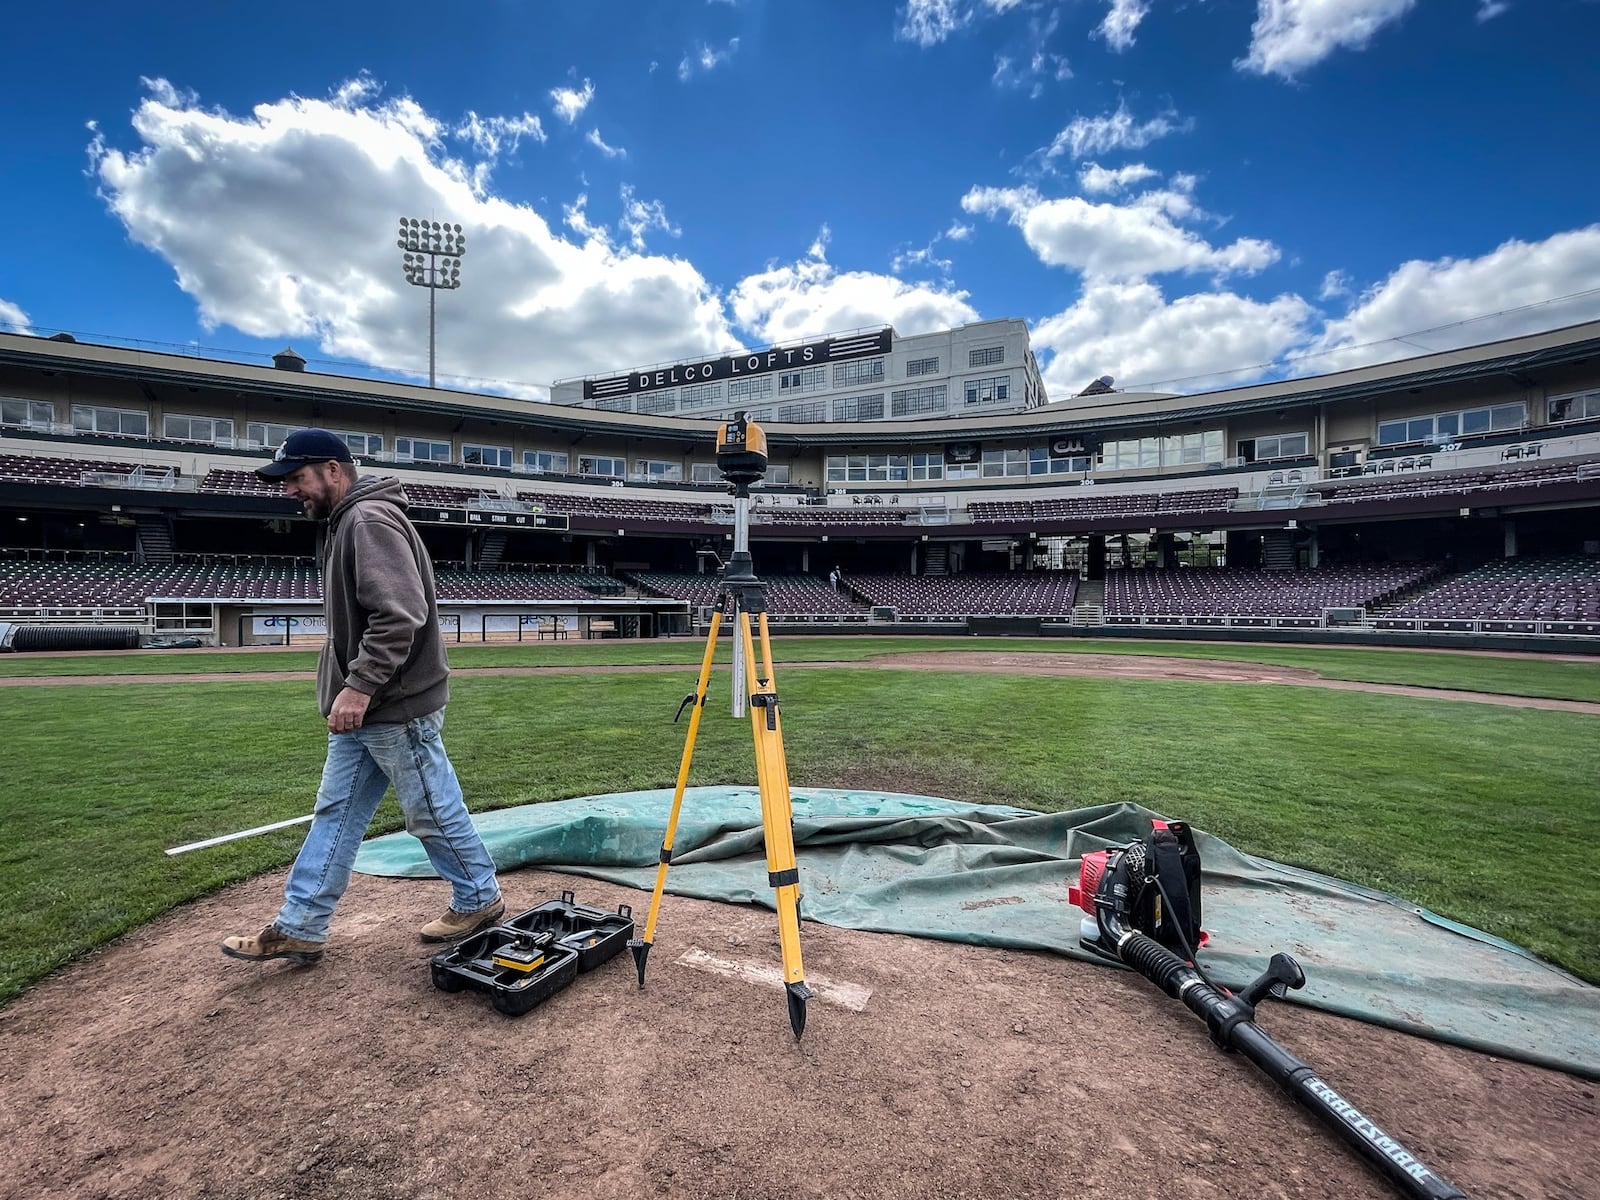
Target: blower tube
pixel 1231 1020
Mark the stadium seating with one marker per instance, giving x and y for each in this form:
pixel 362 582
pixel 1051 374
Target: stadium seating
pixel 621 506
pixel 1233 592
pixel 1092 503
pixel 1447 483
pixel 787 595
pixel 239 483
pixel 970 595
pixel 32 584
pixel 1513 596
pixel 63 472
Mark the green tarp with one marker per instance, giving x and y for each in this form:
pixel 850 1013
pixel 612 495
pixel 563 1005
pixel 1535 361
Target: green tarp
pixel 997 876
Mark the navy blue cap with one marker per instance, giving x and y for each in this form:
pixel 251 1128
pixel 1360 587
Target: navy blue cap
pixel 305 446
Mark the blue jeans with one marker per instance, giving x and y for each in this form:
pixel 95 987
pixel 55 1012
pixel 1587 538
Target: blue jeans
pixel 359 769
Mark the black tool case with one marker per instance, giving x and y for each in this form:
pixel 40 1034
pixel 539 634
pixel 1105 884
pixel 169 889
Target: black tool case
pixel 596 935
pixel 528 958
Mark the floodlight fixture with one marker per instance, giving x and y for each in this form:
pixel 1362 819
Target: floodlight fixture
pixel 432 260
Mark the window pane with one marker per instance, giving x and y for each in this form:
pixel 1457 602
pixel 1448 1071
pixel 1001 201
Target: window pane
pixel 1507 416
pixel 1476 421
pixel 1391 433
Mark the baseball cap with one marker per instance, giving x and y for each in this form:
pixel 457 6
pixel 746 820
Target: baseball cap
pixel 305 446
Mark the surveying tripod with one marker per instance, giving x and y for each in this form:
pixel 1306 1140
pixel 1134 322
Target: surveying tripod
pixel 742 458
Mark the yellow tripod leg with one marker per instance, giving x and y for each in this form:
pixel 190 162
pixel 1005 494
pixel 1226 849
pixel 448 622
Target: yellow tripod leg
pixel 777 814
pixel 697 698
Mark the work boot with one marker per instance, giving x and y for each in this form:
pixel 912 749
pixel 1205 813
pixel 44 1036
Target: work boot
pixel 272 942
pixel 456 925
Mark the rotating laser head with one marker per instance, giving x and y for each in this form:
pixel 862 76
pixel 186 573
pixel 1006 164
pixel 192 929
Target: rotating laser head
pixel 741 451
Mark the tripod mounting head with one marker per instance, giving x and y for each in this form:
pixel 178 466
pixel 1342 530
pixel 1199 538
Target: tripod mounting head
pixel 742 453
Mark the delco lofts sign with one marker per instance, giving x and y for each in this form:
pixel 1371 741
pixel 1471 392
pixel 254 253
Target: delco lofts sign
pixel 737 366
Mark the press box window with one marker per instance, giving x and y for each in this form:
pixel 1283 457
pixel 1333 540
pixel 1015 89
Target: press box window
pixel 544 462
pixel 1283 445
pixel 1576 407
pixel 27 412
pixel 264 434
pixel 176 428
pixel 1000 464
pixel 1444 427
pixel 417 450
pixel 486 456
pixel 609 468
pixel 115 422
pixel 658 470
pixel 364 445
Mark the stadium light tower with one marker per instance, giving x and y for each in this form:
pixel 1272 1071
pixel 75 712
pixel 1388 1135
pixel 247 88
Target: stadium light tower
pixel 432 260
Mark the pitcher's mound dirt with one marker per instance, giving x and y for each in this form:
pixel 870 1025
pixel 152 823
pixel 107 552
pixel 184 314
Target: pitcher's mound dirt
pixel 158 1068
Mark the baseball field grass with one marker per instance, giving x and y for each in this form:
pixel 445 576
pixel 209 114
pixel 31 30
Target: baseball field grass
pixel 1476 811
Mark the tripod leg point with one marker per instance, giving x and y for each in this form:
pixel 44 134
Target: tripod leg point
pixel 641 952
pixel 798 993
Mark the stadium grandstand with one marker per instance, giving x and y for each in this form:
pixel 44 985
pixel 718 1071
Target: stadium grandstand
pixel 1450 498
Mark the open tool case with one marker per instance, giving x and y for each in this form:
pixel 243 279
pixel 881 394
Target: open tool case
pixel 531 956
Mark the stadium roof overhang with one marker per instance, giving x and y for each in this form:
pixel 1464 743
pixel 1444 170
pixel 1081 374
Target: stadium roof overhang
pixel 1520 358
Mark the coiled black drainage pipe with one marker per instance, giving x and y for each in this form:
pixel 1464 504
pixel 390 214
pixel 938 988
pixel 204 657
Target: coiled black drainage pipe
pixel 1231 1020
pixel 74 637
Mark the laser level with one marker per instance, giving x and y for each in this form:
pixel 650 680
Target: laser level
pixel 742 459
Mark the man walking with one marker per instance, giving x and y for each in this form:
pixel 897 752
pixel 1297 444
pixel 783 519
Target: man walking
pixel 382 683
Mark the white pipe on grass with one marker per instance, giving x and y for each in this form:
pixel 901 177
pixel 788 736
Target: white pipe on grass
pixel 244 833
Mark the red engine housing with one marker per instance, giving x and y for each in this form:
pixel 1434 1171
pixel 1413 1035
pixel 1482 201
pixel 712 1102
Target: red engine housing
pixel 1090 871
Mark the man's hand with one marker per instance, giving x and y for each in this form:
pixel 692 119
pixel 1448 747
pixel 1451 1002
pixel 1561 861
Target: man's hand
pixel 349 710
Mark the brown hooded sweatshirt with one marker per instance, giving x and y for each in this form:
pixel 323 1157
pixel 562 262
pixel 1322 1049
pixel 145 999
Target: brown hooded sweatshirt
pixel 383 616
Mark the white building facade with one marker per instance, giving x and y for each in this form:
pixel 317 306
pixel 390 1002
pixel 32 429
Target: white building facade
pixel 874 375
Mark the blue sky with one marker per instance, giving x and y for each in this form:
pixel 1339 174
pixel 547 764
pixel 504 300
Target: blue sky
pixel 1183 194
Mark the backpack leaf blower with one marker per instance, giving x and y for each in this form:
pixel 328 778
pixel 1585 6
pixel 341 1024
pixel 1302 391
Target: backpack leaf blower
pixel 1143 903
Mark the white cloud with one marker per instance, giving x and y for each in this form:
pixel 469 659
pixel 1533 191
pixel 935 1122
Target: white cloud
pixel 1118 241
pixel 1334 284
pixel 1111 131
pixel 281 224
pixel 958 231
pixel 1439 305
pixel 13 318
pixel 569 103
pixel 599 143
pixel 489 136
pixel 810 297
pixel 706 58
pixel 929 22
pixel 1488 10
pixel 1290 36
pixel 1129 330
pixel 1095 179
pixel 1033 64
pixel 907 260
pixel 1120 22
pixel 641 216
